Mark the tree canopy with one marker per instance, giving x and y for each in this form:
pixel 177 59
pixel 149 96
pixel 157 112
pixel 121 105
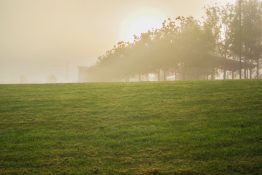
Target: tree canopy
pixel 229 38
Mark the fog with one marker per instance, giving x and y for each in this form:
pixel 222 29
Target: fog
pixel 43 38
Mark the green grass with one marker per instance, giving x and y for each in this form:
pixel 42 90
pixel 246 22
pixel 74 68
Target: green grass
pixel 183 128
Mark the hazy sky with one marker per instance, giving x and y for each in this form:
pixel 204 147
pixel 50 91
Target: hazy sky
pixel 43 37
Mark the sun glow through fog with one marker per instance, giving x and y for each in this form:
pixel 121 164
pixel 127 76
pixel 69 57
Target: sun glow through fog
pixel 141 21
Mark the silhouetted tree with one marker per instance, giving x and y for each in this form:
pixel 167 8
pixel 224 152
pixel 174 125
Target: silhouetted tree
pixel 188 47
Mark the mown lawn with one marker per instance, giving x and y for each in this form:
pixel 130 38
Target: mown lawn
pixel 183 128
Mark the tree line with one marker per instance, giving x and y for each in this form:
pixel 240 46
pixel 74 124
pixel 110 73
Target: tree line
pixel 227 42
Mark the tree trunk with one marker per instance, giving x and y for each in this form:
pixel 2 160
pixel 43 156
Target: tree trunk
pixel 213 75
pixel 240 74
pixel 225 74
pixel 225 71
pixel 240 68
pixel 139 77
pixel 245 72
pixel 158 75
pixel 164 75
pixel 258 69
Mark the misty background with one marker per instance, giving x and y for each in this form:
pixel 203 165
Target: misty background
pixel 40 39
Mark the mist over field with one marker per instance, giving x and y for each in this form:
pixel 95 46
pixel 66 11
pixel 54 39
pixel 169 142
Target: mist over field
pixel 41 39
pixel 131 87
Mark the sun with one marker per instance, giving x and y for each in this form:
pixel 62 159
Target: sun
pixel 141 21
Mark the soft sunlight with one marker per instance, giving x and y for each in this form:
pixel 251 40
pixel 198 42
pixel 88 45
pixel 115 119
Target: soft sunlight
pixel 141 21
pixel 130 87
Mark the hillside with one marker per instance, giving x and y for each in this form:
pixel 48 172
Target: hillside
pixel 184 128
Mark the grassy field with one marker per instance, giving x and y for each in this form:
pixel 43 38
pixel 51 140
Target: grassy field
pixel 183 128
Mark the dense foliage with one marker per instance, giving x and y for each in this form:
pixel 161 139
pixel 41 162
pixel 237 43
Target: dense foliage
pixel 229 38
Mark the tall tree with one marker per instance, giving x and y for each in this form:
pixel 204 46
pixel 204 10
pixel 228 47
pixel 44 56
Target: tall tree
pixel 252 32
pixel 247 32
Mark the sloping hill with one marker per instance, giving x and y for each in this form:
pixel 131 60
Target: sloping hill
pixel 209 127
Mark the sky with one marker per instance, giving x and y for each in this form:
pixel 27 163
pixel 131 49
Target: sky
pixel 40 38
